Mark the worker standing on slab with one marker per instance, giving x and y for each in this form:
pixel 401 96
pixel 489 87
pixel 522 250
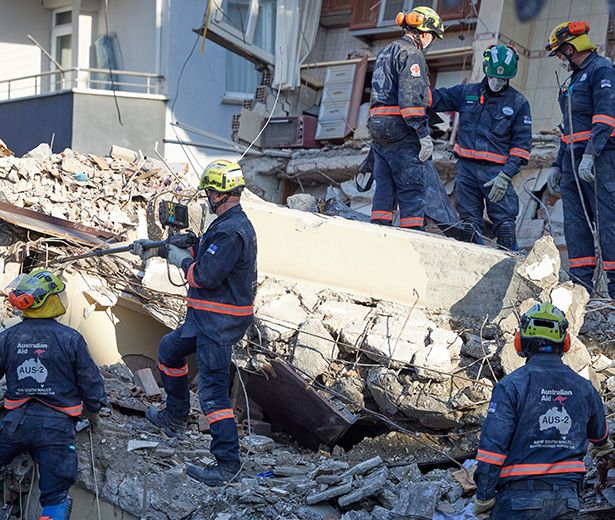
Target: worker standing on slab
pixel 584 170
pixel 50 377
pixel 398 124
pixel 494 142
pixel 221 276
pixel 538 425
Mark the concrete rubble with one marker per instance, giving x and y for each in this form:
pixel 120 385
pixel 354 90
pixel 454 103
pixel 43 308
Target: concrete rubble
pixel 407 374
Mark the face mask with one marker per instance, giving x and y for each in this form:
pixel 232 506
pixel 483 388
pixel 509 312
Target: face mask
pixel 496 84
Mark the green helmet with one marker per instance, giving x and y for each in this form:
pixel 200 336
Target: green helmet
pixel 542 327
pixel 500 61
pixel 32 290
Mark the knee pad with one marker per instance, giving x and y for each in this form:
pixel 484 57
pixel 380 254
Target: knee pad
pixel 58 511
pixel 507 236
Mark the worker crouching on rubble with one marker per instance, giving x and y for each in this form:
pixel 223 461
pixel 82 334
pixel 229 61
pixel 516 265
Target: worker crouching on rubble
pixel 494 142
pixel 50 376
pixel 584 170
pixel 398 124
pixel 221 276
pixel 537 427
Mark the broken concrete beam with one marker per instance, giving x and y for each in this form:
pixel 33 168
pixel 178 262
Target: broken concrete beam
pixel 145 380
pixel 418 500
pixel 370 486
pixel 330 493
pixel 363 467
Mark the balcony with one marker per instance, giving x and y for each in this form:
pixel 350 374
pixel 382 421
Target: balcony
pixel 76 108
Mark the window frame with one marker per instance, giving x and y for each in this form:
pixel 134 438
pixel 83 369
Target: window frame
pixel 244 43
pixel 381 22
pixel 58 31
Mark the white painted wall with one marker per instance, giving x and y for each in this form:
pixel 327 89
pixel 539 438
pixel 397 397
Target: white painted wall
pixel 18 56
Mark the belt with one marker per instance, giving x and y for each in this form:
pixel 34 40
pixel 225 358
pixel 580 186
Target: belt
pixel 539 485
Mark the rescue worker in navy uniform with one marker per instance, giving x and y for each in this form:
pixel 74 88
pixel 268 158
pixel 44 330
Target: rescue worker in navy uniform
pixel 50 376
pixel 398 124
pixel 590 90
pixel 221 276
pixel 494 142
pixel 537 428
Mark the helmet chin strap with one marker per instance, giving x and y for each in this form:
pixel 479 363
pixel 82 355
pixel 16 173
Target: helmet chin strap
pixel 215 205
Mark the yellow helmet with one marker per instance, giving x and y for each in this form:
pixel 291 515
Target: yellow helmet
pixel 222 176
pixel 423 19
pixel 576 33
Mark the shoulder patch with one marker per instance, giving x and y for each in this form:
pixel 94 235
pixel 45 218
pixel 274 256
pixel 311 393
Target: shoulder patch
pixel 508 111
pixel 212 249
pixel 415 70
pixel 527 120
pixel 583 77
pixel 492 407
pixel 605 83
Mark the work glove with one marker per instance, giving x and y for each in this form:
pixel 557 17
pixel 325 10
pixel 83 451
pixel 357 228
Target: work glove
pixel 555 176
pixel 600 451
pixel 586 168
pixel 144 254
pixel 92 418
pixel 426 148
pixel 499 185
pixel 482 506
pixel 176 255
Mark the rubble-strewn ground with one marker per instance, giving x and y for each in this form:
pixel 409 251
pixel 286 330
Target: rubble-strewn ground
pixel 395 367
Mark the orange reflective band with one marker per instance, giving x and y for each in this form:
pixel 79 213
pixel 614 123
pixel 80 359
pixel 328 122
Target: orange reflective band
pixel 520 152
pixel 585 261
pixel 382 215
pixel 220 308
pixel 606 431
pixel 608 266
pixel 413 112
pixel 571 466
pixel 430 102
pixel 385 111
pixel 73 411
pixel 173 372
pixel 577 136
pixel 497 459
pixel 220 415
pixel 190 277
pixel 411 222
pixel 479 155
pixel 603 118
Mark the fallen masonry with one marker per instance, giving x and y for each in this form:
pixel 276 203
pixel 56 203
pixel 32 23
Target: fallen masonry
pixel 398 363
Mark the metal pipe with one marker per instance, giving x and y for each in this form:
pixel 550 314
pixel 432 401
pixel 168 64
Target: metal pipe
pixel 44 51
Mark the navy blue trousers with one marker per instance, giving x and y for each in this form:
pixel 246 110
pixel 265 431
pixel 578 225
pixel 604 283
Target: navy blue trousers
pixel 399 175
pixel 214 362
pixel 472 197
pixel 537 504
pixel 50 439
pixel 579 238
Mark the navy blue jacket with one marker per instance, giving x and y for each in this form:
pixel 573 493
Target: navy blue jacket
pixel 400 85
pixel 593 108
pixel 222 278
pixel 46 361
pixel 495 128
pixel 537 426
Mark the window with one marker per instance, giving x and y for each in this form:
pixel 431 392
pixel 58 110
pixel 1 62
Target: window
pixel 390 8
pixel 61 46
pixel 241 78
pixel 246 27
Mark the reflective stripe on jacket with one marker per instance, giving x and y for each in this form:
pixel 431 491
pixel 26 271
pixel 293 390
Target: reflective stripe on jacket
pixel 537 427
pixel 495 128
pixel 222 278
pixel 47 362
pixel 593 108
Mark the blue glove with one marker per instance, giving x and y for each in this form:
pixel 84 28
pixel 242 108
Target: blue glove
pixel 586 168
pixel 176 255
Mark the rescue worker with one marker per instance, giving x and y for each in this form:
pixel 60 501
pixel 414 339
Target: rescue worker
pixel 398 124
pixel 221 276
pixel 494 142
pixel 589 94
pixel 537 428
pixel 50 376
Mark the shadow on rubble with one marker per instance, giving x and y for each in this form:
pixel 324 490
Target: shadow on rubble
pixel 488 295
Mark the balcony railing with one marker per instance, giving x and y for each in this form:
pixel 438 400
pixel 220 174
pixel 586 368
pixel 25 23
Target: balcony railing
pixel 84 78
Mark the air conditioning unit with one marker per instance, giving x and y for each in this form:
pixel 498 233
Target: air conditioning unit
pixel 290 132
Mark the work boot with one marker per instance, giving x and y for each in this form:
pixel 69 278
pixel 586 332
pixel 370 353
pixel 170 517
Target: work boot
pixel 214 474
pixel 171 425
